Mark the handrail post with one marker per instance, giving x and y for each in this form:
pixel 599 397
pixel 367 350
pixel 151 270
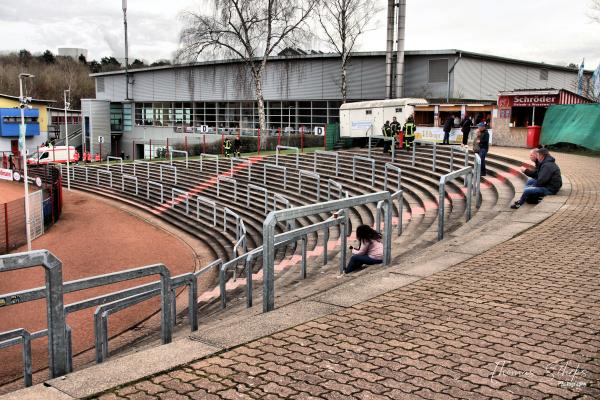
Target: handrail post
pixel 433 159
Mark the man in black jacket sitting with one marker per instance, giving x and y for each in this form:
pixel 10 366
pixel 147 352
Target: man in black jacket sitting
pixel 548 180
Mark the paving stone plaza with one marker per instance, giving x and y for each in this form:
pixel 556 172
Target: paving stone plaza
pixel 520 320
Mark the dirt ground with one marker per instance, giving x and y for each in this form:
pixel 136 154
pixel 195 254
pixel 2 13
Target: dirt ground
pixel 10 191
pixel 92 237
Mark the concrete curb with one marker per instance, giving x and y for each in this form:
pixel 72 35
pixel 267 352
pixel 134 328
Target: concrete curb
pixel 439 256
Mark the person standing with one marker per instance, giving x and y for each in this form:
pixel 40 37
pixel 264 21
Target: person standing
pixel 227 146
pixel 370 250
pixel 447 128
pixel 409 132
pixel 465 128
pixel 237 146
pixel 387 136
pixel 484 145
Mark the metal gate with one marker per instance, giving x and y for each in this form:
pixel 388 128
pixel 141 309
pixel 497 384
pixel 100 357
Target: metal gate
pixel 36 214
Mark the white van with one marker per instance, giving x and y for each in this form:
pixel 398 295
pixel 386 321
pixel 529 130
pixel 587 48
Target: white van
pixel 366 118
pixel 55 154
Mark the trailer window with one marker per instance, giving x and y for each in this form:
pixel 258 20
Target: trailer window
pixel 44 155
pixel 369 112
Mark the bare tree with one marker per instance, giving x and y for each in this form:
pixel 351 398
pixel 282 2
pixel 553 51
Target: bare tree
pixel 343 22
pixel 251 30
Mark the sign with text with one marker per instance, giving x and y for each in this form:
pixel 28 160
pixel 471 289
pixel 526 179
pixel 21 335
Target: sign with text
pixel 100 139
pixel 319 130
pixel 6 174
pixel 437 134
pixel 527 101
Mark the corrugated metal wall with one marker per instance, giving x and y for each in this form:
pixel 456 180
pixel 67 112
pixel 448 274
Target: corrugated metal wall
pixel 483 79
pixel 416 77
pixel 99 122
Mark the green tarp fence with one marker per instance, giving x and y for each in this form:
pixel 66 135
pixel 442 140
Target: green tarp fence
pixel 572 123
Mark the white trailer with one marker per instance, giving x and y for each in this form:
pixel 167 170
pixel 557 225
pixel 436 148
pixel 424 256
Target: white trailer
pixel 366 118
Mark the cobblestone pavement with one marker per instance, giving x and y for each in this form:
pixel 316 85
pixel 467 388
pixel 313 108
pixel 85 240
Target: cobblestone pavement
pixel 519 321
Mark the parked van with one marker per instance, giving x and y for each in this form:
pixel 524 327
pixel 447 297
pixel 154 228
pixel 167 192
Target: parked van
pixel 56 154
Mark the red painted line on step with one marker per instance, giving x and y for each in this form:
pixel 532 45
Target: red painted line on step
pixel 203 186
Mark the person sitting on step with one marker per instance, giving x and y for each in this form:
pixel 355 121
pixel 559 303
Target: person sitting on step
pixel 370 250
pixel 547 182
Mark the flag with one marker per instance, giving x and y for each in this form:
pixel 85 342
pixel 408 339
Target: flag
pixel 580 79
pixel 596 84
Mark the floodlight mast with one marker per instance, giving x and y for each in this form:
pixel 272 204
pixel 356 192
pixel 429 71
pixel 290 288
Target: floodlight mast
pixel 124 7
pixel 24 101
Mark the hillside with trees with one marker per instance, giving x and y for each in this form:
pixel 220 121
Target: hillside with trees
pixel 54 74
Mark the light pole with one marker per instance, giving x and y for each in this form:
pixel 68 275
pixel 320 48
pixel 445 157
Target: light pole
pixel 124 7
pixel 67 104
pixel 23 149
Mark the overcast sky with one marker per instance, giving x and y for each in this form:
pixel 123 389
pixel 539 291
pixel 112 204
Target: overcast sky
pixel 551 31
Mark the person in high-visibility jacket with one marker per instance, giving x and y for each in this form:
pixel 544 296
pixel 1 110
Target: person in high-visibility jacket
pixel 76 157
pixel 409 132
pixel 87 157
pixel 227 147
pixel 97 157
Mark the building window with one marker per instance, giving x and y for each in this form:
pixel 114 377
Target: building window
pixel 438 70
pixel 398 109
pixel 369 112
pixel 100 84
pixel 543 75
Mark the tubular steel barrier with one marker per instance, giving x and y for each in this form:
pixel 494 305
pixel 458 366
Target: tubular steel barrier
pixel 130 177
pixel 172 168
pixel 327 153
pixel 213 156
pixel 108 158
pixel 287 148
pixel 101 171
pixel 330 183
pixel 226 212
pixel 241 239
pixel 227 179
pixel 461 150
pixel 276 167
pixel 396 195
pixel 146 163
pixel 160 185
pixel 424 142
pixel 181 193
pixel 313 175
pixel 208 202
pixel 293 213
pixel 281 240
pixel 25 338
pixel 389 166
pixel 53 292
pixel 243 161
pixel 477 168
pixel 370 160
pixel 468 173
pixel 258 189
pixel 171 151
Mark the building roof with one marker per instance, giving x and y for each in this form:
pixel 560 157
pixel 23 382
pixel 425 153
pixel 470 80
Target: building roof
pixel 6 96
pixel 299 56
pixel 63 110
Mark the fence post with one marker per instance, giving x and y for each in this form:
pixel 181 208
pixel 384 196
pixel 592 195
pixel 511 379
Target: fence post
pixel 133 150
pixel 258 142
pixel 222 143
pixel 150 149
pixel 6 226
pixel 100 154
pixel 186 146
pixel 302 138
pixel 204 143
pixel 279 136
pixel 325 137
pixel 168 150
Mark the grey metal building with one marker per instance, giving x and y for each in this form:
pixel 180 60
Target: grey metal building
pixel 300 91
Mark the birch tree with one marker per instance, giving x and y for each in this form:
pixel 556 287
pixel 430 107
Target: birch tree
pixel 343 22
pixel 251 30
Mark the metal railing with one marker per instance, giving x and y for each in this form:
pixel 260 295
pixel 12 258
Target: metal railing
pixel 258 189
pixel 396 195
pixel 227 179
pixel 108 158
pixel 160 185
pixel 384 138
pixel 278 168
pixel 330 183
pixel 101 171
pixel 315 176
pixel 327 153
pixel 281 240
pixel 434 155
pixel 365 159
pixel 298 212
pixel 213 156
pixel 208 202
pixel 245 161
pixel 468 174
pixel 185 153
pixel 180 193
pixel 389 166
pixel 132 178
pixel 24 337
pixel 138 162
pixel 172 168
pixel 287 148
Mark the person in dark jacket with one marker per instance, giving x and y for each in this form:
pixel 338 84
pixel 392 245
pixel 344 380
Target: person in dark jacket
pixel 547 182
pixel 466 129
pixel 447 128
pixel 484 145
pixel 531 172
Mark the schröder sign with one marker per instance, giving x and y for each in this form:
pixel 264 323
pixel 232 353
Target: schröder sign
pixel 533 101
